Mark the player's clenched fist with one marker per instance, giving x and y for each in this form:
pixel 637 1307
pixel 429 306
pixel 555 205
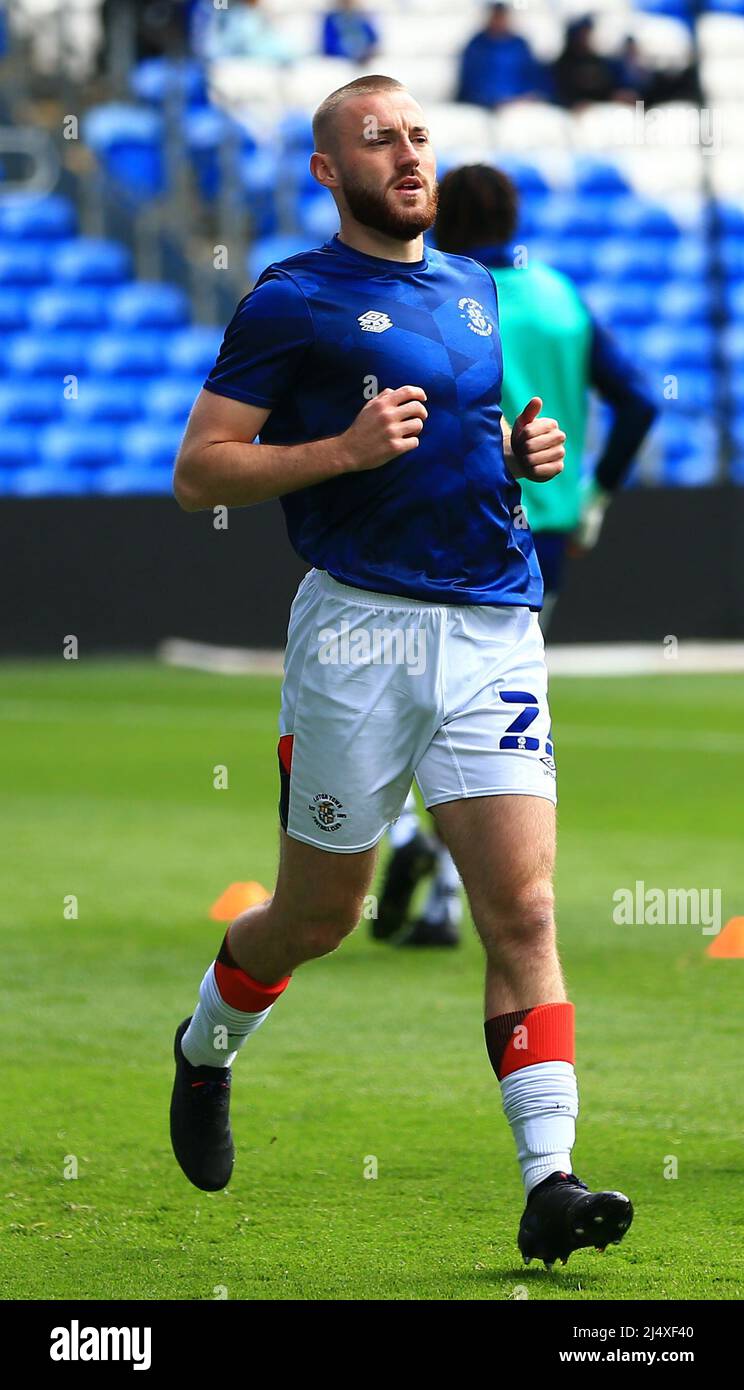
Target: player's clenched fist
pixel 537 442
pixel 388 426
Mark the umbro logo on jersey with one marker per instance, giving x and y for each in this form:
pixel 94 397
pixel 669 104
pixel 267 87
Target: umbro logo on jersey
pixel 476 316
pixel 374 321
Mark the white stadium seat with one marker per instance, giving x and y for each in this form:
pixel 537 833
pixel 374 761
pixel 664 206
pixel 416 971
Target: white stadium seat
pixel 721 35
pixel 457 126
pixel 428 79
pixel 529 125
pixel 307 83
pixel 237 83
pixel 436 35
pixel 663 42
pixel 722 78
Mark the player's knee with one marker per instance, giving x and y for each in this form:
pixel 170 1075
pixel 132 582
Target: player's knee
pixel 521 917
pixel 323 934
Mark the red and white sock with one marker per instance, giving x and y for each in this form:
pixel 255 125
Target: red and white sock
pixel 231 1007
pixel 532 1054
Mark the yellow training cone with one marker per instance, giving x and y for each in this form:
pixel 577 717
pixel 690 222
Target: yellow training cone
pixel 729 944
pixel 236 899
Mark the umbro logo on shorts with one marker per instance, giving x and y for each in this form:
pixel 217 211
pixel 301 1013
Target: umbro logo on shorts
pixel 374 321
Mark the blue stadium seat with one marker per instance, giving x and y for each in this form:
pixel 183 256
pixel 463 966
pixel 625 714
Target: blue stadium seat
pixel 137 353
pixel 133 480
pixel 526 176
pixel 87 260
pixel 151 445
pixel 25 216
pixel 107 400
pixel 733 345
pixel 24 263
pixel 631 216
pixel 193 350
pixel 573 257
pixel 318 218
pixel 684 302
pixel 670 349
pixel 41 481
pixel 172 400
pixel 632 259
pixel 734 292
pixel 148 305
pixel 48 354
pixel 18 445
pixel 61 307
pixel 207 130
pixel 13 309
pixel 598 176
pixel 30 402
pixel 275 248
pixel 732 254
pixel 155 79
pixel 296 133
pixel 77 446
pixel 620 304
pixel 128 140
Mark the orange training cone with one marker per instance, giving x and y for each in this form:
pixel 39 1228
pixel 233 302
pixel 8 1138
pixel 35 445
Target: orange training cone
pixel 729 944
pixel 236 899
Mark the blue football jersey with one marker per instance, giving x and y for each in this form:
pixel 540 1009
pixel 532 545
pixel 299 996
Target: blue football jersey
pixel 318 336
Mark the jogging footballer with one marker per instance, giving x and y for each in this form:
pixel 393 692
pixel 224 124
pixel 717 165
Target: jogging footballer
pixel 370 369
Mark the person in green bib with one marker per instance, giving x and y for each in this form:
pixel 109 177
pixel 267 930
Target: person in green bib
pixel 554 348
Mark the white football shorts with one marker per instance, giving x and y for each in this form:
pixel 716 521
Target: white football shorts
pixel 379 690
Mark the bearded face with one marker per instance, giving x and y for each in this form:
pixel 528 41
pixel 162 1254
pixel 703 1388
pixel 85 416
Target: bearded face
pixel 402 209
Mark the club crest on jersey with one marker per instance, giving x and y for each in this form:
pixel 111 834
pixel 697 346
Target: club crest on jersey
pixel 476 316
pixel 374 321
pixel 327 812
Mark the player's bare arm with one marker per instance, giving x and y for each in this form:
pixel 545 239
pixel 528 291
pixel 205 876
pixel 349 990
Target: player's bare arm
pixel 534 446
pixel 216 465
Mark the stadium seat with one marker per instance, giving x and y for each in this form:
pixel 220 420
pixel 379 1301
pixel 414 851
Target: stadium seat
pixel 132 481
pixel 14 306
pixel 30 402
pixel 26 216
pixel 61 308
pixel 158 79
pixel 24 264
pixel 40 481
pixel 193 351
pixel 246 84
pixel 108 400
pixel 598 176
pixel 317 218
pixel 269 249
pixel 171 399
pixel 128 141
pixel 154 444
pixel 432 79
pixel 87 260
pixel 58 354
pixel 146 304
pixel 17 445
pixel 75 446
pixel 142 352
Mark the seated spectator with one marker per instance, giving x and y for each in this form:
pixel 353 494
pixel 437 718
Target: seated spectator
pixel 498 65
pixel 242 31
pixel 581 74
pixel 349 33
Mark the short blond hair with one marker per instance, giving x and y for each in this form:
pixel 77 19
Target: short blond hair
pixel 324 118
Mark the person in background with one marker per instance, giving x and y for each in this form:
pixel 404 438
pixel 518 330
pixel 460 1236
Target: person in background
pixel 349 33
pixel 243 30
pixel 581 74
pixel 498 65
pixel 551 339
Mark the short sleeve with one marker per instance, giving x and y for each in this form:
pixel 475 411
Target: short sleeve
pixel 264 343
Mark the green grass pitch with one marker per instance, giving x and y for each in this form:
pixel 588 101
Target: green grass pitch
pixel 373 1051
